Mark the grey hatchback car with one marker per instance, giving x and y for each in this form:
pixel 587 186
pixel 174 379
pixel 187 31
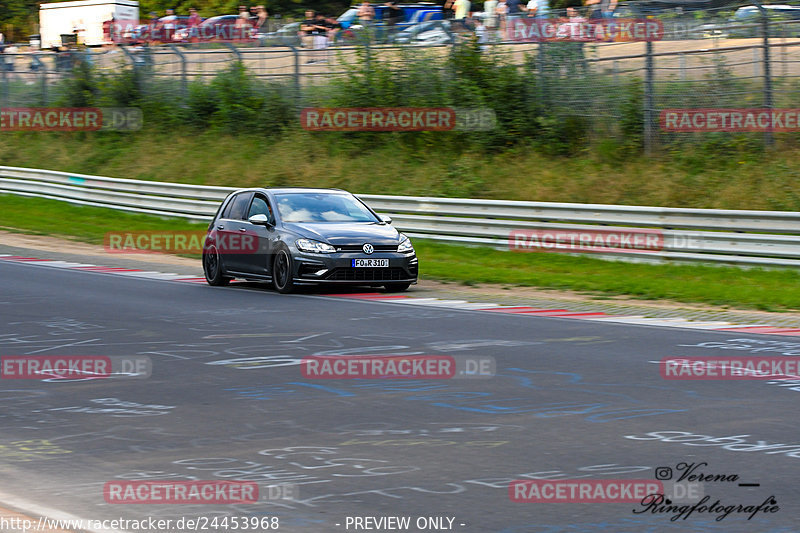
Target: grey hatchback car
pixel 298 236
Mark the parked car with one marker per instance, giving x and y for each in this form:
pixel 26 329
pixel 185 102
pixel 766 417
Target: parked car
pixel 425 33
pixel 746 21
pixel 294 236
pixel 219 28
pixel 412 14
pixel 285 35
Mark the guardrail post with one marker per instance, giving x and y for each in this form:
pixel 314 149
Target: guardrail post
pixel 541 72
pixel 298 98
pixel 129 56
pixel 39 66
pixel 769 139
pixel 683 66
pixel 649 126
pixel 184 80
pixel 4 101
pixel 235 51
pixel 756 67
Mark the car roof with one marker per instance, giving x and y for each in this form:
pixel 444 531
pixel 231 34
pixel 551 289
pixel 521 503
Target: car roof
pixel 221 17
pixel 285 190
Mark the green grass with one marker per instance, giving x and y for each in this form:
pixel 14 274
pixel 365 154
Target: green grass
pixel 769 290
pixel 772 290
pixel 38 216
pixel 693 177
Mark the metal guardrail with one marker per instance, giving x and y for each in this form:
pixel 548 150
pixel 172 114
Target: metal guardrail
pixel 767 238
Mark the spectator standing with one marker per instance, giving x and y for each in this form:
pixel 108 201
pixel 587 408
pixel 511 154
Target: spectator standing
pixel 192 25
pixel 538 9
pixel 502 17
pixel 601 9
pixel 334 27
pixel 513 12
pixel 575 23
pixel 394 15
pixel 447 11
pixel 108 30
pixel 9 58
pixel 194 19
pixel 262 20
pixel 461 9
pixel 481 34
pixel 306 32
pixel 311 28
pixel 243 25
pixel 366 14
pixel 576 26
pixel 607 8
pixel 321 37
pixel 79 29
pixel 490 15
pixel 153 28
pixel 169 25
pixel 512 8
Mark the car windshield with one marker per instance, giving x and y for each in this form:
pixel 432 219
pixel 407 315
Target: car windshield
pixel 322 207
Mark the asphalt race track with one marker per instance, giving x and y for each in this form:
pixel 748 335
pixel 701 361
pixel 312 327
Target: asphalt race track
pixel 226 400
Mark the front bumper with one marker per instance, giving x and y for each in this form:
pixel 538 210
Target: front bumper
pixel 337 268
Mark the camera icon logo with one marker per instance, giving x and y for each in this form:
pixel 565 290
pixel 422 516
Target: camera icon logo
pixel 663 473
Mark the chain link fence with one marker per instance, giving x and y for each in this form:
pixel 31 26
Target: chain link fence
pixel 703 59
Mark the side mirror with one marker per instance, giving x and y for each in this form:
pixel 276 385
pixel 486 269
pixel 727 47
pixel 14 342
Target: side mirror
pixel 386 219
pixel 261 220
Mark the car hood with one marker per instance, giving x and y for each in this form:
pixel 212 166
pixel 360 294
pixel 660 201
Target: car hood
pixel 339 233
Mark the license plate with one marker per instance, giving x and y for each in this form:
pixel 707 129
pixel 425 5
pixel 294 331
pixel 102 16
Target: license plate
pixel 367 263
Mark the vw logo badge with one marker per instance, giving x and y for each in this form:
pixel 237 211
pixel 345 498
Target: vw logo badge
pixel 368 248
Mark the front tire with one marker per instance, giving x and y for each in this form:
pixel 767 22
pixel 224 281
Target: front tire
pixel 396 287
pixel 212 268
pixel 282 268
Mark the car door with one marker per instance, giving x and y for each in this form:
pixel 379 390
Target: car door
pixel 231 228
pixel 263 237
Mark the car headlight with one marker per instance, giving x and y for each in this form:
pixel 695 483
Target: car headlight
pixel 307 245
pixel 405 245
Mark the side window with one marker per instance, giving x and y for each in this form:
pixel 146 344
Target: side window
pixel 259 206
pixel 236 209
pixel 227 212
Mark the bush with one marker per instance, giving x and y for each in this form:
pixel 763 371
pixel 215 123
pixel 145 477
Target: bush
pixel 552 102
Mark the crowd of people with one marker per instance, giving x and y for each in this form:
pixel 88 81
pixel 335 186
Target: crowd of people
pixel 497 14
pixel 176 27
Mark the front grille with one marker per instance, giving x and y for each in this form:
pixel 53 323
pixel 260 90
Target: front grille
pixel 359 248
pixel 368 274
